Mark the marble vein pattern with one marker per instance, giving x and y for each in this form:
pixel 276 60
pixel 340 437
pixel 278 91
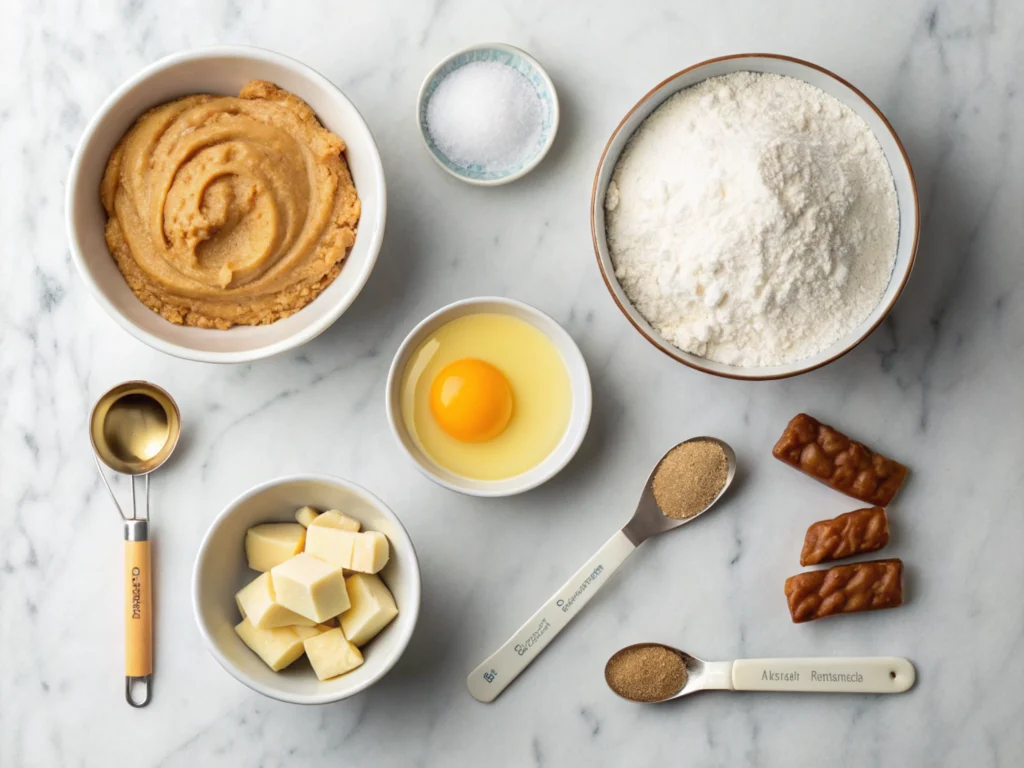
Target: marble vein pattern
pixel 937 386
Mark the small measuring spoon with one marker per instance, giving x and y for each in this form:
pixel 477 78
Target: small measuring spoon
pixel 878 674
pixel 133 429
pixel 491 677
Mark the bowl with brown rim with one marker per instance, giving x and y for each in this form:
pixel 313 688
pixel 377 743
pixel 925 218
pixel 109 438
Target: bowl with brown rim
pixel 832 84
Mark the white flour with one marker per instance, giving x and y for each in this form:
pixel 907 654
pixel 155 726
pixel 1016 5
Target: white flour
pixel 752 219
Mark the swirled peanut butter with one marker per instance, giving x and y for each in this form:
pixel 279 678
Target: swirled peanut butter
pixel 229 210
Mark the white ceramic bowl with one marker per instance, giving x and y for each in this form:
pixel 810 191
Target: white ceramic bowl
pixel 220 70
pixel 221 570
pixel 579 381
pixel 529 68
pixel 903 175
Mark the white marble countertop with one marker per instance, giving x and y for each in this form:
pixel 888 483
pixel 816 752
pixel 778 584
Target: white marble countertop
pixel 939 385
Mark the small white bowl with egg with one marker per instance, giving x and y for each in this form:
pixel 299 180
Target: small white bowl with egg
pixel 831 84
pixel 578 408
pixel 221 570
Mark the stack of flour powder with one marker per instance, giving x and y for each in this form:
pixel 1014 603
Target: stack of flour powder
pixel 752 219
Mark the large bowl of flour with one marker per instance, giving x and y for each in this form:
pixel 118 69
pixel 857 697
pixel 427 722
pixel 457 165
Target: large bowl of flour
pixel 755 216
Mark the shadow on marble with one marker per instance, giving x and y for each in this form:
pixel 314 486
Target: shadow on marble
pixel 897 531
pixel 910 580
pixel 436 660
pixel 183 450
pixel 581 470
pixel 568 118
pixel 376 313
pixel 945 274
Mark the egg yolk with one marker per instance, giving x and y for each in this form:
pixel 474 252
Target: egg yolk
pixel 471 400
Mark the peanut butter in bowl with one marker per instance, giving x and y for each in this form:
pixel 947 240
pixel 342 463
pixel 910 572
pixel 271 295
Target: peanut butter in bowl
pixel 228 210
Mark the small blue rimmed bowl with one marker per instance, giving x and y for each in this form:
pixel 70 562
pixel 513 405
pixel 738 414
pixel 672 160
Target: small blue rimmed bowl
pixel 527 66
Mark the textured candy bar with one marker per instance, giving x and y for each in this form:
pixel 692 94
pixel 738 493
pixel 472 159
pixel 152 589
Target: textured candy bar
pixel 845 589
pixel 857 532
pixel 838 461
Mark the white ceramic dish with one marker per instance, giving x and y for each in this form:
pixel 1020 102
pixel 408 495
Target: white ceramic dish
pixel 903 175
pixel 221 570
pixel 220 70
pixel 579 380
pixel 527 66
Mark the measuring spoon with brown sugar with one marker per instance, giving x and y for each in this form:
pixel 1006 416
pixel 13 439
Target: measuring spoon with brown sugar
pixel 651 673
pixel 685 484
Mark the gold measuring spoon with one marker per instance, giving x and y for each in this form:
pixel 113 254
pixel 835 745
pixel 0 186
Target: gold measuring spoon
pixel 134 428
pixel 654 681
pixel 489 679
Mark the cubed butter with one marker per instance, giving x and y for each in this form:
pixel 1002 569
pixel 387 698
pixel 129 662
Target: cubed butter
pixel 271 544
pixel 257 602
pixel 372 609
pixel 310 587
pixel 332 518
pixel 277 647
pixel 331 654
pixel 370 552
pixel 305 516
pixel 333 545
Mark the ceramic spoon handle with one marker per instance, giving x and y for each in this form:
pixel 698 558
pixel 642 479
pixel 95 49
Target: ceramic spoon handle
pixel 831 675
pixel 138 612
pixel 501 668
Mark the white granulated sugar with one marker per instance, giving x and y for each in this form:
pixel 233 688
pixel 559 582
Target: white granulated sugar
pixel 752 219
pixel 485 114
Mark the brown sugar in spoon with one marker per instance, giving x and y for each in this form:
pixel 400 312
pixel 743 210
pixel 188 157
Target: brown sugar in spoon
pixel 678 482
pixel 652 673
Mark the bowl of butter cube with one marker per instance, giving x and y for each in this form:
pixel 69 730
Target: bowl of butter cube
pixel 307 589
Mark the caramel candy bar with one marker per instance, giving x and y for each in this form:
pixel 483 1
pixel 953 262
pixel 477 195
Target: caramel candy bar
pixel 838 461
pixel 845 589
pixel 863 530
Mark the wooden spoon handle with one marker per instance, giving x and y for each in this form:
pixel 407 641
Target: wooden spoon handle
pixel 138 610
